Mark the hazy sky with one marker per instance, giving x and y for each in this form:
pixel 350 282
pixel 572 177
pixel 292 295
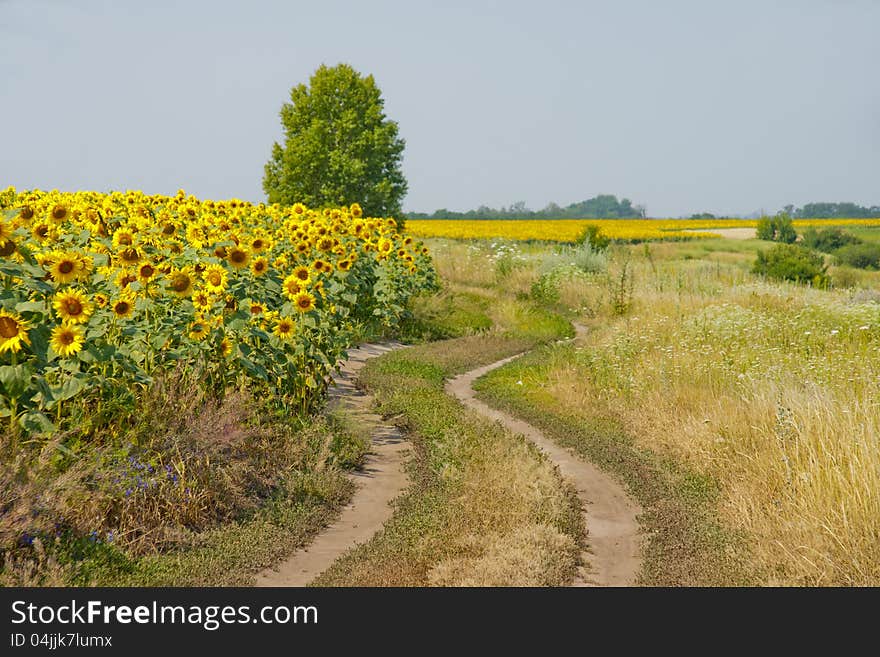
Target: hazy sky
pixel 726 107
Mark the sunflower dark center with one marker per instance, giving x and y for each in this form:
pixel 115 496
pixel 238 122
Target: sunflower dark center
pixel 59 212
pixel 66 267
pixel 180 283
pixel 8 327
pixel 66 338
pixel 73 307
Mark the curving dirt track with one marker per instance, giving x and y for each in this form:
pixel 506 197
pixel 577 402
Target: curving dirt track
pixel 381 479
pixel 609 513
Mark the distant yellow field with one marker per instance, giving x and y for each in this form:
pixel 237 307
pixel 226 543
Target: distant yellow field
pixel 568 230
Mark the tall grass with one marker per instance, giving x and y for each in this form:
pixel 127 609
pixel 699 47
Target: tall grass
pixel 771 389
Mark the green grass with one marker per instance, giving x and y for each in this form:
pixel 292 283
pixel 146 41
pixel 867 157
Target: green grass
pixel 485 507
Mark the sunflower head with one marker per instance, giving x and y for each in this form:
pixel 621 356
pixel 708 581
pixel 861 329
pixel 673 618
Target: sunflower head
pixel 284 328
pixel 146 272
pixel 198 329
pixel 66 340
pixel 13 332
pixel 302 274
pixel 238 257
pixel 260 266
pixel 304 302
pixel 59 213
pixel 64 267
pixel 123 307
pixel 180 283
pixel 73 306
pixel 215 278
pixel 291 286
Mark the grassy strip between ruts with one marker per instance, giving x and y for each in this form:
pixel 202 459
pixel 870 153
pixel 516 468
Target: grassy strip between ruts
pixel 485 506
pixel 683 543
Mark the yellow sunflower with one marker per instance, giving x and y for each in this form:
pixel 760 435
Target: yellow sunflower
pixel 64 267
pixel 198 330
pixel 238 257
pixel 304 302
pixel 260 266
pixel 302 274
pixel 123 238
pixel 291 286
pixel 146 272
pixel 226 347
pixel 202 300
pixel 73 306
pixel 67 340
pixel 59 213
pixel 5 230
pixel 259 244
pixel 129 256
pixel 180 282
pixel 215 279
pixel 13 331
pixel 42 232
pixel 123 307
pixel 257 308
pixel 284 328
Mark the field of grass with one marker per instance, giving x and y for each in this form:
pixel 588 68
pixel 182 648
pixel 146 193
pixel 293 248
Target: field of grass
pixel 752 402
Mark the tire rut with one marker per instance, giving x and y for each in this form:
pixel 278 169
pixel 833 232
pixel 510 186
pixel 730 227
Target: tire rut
pixel 379 481
pixel 609 512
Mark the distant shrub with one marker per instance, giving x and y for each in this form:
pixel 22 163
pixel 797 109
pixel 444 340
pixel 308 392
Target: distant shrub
pixel 828 240
pixel 582 257
pixel 778 228
pixel 846 278
pixel 861 256
pixel 594 237
pixel 791 262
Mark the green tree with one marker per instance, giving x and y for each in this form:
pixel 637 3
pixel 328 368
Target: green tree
pixel 339 147
pixel 776 229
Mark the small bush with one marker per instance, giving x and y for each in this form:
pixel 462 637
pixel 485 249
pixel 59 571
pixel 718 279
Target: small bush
pixel 776 229
pixel 790 262
pixel 861 256
pixel 828 240
pixel 594 237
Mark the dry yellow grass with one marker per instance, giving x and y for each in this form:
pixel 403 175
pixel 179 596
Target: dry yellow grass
pixel 771 389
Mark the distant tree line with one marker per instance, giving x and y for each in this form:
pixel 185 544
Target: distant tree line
pixel 833 211
pixel 603 206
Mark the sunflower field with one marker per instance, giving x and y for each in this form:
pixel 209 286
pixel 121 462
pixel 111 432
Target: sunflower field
pixel 618 230
pixel 103 291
